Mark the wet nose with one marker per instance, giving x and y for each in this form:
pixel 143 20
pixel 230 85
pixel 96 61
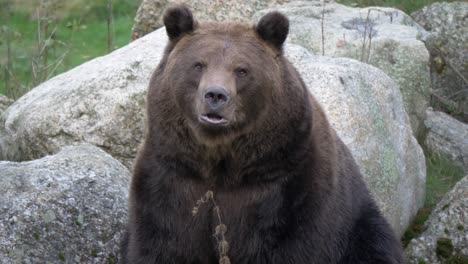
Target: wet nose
pixel 216 97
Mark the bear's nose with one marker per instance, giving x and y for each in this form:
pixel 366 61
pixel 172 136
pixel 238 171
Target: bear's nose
pixel 216 97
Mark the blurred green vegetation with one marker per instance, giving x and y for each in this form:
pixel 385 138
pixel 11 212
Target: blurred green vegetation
pixel 442 175
pixel 42 38
pixel 407 6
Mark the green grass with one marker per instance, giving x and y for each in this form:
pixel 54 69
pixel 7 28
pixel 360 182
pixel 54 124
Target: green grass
pixel 442 175
pixel 80 35
pixel 407 6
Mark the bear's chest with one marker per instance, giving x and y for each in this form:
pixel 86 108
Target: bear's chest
pixel 245 218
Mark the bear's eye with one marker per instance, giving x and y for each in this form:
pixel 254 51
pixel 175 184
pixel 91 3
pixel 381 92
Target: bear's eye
pixel 198 66
pixel 241 72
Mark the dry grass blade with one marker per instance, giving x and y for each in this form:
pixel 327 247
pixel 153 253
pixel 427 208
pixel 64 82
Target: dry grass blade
pixel 220 229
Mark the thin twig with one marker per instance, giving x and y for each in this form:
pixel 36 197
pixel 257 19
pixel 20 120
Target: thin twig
pixel 109 21
pixel 448 63
pixel 59 62
pixel 46 50
pixel 17 84
pixel 48 39
pixel 363 48
pixel 322 22
pixel 36 66
pixel 9 65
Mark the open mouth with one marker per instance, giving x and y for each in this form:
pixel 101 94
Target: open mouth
pixel 213 119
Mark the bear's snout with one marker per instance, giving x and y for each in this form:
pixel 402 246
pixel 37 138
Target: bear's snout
pixel 216 97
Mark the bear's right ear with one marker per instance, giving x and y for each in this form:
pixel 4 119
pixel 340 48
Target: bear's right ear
pixel 178 20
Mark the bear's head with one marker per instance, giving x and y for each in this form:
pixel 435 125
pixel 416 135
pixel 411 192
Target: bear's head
pixel 223 77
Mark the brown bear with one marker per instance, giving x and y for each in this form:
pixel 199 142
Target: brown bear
pixel 227 112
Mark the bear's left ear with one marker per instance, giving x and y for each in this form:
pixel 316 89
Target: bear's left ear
pixel 178 20
pixel 273 28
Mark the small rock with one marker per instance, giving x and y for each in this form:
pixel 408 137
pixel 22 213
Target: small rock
pixel 448 137
pixel 5 102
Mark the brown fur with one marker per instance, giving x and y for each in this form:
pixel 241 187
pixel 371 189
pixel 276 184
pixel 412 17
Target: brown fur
pixel 288 189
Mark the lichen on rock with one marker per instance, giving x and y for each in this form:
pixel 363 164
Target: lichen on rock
pixel 69 207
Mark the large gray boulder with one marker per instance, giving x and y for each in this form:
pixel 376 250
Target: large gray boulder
pixel 366 108
pixel 448 45
pixel 67 208
pixel 150 12
pixel 384 37
pixel 448 137
pixel 102 103
pixel 446 233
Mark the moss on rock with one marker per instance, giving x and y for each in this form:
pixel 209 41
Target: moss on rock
pixel 444 247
